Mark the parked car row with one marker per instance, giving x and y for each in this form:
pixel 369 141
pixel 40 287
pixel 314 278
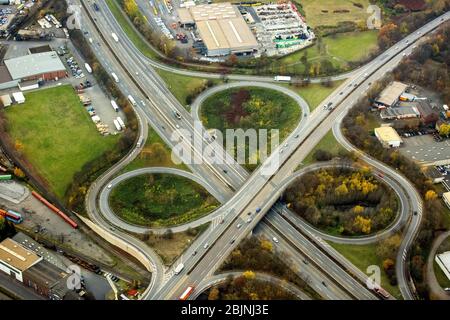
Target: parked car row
pixel 75 68
pixel 445 170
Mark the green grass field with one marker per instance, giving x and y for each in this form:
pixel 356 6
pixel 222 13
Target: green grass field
pixel 183 86
pixel 363 256
pixel 155 153
pixel 339 49
pixel 314 93
pixel 56 135
pixel 161 200
pixel 320 12
pixel 328 143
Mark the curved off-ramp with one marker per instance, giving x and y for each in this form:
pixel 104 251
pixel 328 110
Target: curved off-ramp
pixel 109 214
pixel 219 278
pixel 399 221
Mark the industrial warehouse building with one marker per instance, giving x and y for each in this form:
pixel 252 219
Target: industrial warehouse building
pixel 38 66
pixel 446 198
pixel 221 27
pixel 391 94
pixel 32 270
pixel 388 137
pixel 443 260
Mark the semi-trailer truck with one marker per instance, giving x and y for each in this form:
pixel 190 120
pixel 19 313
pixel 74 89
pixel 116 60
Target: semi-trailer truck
pixel 132 101
pixel 178 268
pixel 121 123
pixel 282 78
pixel 116 78
pixel 115 106
pixel 88 67
pixel 117 125
pixel 115 37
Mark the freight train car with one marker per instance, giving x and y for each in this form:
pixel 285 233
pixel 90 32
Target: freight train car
pixel 55 209
pixel 12 216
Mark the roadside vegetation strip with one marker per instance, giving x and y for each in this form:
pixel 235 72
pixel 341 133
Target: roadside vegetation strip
pixel 325 150
pixel 56 135
pixel 251 108
pixel 161 200
pixel 185 88
pixel 363 256
pixel 154 153
pixel 314 93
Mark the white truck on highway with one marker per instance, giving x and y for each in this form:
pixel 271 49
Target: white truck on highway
pixel 115 77
pixel 115 37
pixel 115 106
pixel 132 101
pixel 178 268
pixel 282 78
pixel 88 67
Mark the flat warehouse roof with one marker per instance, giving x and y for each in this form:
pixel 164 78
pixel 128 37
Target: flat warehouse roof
pixel 238 34
pixel 34 64
pixel 390 94
pixel 185 16
pixel 214 11
pixel 17 256
pixel 387 134
pixel 212 35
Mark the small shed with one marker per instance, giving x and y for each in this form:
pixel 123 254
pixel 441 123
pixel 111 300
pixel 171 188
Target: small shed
pixel 19 97
pixel 6 100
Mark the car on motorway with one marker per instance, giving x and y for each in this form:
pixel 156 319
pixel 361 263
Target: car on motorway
pixel 225 171
pixel 249 213
pixel 177 115
pixel 296 136
pixel 239 225
pixel 275 239
pixel 415 213
pixel 305 261
pixel 206 245
pixel 249 220
pixel 324 284
pixel 177 126
pixel 232 241
pixel 194 253
pixel 109 186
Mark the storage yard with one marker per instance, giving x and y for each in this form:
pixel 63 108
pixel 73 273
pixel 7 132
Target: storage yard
pixel 217 30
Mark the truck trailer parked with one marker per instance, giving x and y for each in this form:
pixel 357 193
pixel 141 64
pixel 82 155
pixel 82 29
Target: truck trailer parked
pixel 121 123
pixel 115 106
pixel 117 125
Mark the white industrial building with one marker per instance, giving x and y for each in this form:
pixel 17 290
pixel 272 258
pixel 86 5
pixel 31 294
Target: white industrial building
pixel 221 27
pixel 388 137
pixel 446 198
pixel 15 259
pixel 443 260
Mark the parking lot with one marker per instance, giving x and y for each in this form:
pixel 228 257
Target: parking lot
pixel 424 149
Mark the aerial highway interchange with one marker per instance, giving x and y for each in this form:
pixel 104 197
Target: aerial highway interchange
pixel 265 191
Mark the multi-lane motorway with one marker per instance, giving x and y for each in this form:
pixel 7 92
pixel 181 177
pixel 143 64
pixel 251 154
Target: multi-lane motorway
pixel 157 105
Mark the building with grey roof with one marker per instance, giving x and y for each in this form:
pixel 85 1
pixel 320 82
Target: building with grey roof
pixel 38 66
